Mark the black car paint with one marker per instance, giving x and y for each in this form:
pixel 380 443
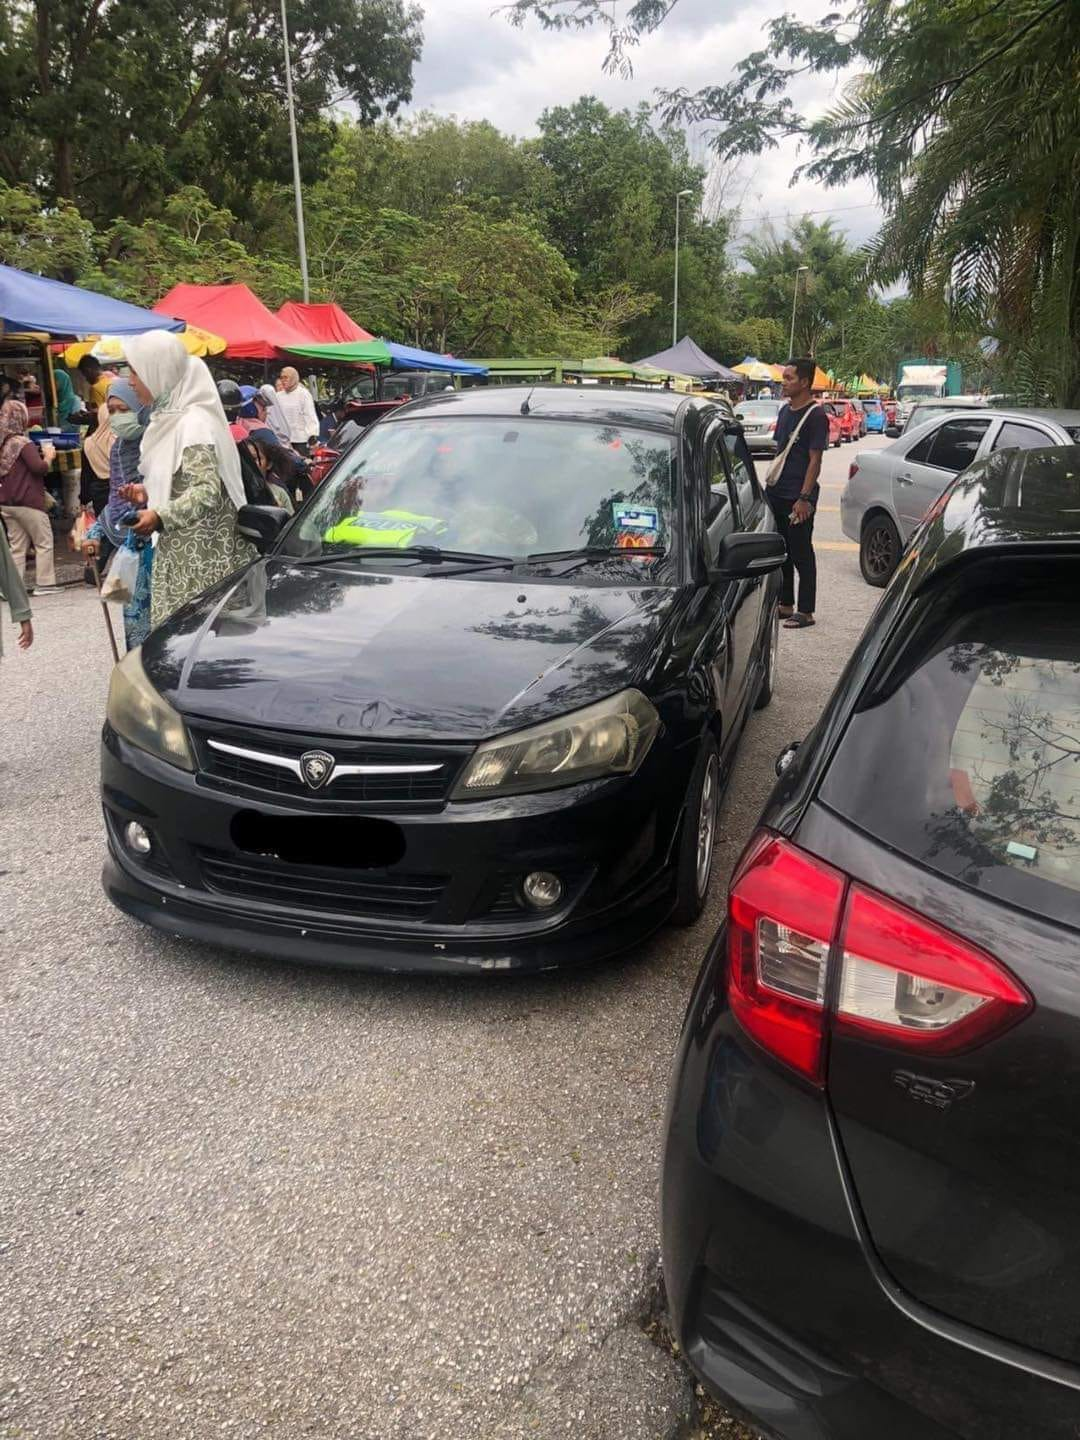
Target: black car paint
pixel 858 1261
pixel 388 653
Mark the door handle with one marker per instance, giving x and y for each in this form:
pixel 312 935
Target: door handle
pixel 904 479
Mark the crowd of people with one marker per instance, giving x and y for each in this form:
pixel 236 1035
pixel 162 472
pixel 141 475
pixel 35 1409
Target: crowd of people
pixel 168 458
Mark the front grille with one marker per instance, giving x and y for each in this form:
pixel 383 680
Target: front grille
pixel 378 894
pixel 421 788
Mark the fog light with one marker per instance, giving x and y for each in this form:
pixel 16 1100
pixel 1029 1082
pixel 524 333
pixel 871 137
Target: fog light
pixel 136 838
pixel 542 889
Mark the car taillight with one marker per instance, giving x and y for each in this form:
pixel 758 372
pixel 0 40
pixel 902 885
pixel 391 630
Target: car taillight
pixel 903 980
pixel 853 470
pixel 773 425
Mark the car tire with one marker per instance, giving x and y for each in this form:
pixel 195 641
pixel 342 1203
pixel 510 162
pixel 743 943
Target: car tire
pixel 697 843
pixel 879 550
pixel 772 654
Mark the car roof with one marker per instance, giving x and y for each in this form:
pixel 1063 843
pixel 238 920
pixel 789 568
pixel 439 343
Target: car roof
pixel 603 404
pixel 1067 419
pixel 1013 497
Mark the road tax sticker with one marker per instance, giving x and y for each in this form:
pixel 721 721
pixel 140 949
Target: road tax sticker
pixel 636 517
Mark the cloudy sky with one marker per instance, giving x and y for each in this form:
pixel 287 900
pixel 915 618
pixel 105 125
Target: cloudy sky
pixel 477 66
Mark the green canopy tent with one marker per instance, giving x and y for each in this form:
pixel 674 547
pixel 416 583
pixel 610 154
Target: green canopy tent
pixel 351 352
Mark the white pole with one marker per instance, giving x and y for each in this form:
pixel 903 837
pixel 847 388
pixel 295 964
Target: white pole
pixel 794 302
pixel 301 241
pixel 675 306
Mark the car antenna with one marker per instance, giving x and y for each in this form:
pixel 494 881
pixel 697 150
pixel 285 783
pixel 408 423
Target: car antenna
pixel 525 402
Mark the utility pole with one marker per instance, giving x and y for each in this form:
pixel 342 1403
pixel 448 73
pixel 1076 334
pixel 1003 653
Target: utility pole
pixel 681 195
pixel 301 240
pixel 794 302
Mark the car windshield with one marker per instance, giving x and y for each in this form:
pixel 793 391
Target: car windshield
pixel 912 392
pixel 871 406
pixel 496 486
pixel 758 409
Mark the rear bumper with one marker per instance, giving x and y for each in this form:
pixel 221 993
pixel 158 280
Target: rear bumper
pixel 760 444
pixel 780 1306
pixel 851 516
pixel 612 843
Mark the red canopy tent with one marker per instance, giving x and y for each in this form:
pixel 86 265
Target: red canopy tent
pixel 324 324
pixel 253 332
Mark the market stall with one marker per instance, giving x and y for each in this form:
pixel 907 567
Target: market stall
pixel 252 333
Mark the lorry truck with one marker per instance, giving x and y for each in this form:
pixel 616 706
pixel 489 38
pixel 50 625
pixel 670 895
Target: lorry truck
pixel 922 379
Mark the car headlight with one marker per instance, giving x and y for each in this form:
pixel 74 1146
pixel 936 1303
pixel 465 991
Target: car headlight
pixel 138 713
pixel 609 738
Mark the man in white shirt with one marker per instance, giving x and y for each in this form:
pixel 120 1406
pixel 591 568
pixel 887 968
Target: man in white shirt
pixel 298 409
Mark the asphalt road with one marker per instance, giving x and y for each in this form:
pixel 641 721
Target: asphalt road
pixel 248 1200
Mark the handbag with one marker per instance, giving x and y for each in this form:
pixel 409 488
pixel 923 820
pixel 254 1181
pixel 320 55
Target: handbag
pixel 776 469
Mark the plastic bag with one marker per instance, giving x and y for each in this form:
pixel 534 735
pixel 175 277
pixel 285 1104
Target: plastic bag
pixel 81 524
pixel 119 583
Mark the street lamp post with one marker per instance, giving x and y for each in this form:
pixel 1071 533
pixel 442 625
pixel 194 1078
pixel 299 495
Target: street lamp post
pixel 680 195
pixel 794 302
pixel 301 241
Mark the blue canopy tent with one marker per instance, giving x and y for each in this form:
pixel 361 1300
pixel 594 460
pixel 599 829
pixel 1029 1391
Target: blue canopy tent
pixel 30 304
pixel 404 357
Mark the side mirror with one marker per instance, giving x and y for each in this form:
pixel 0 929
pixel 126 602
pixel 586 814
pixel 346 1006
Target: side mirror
pixel 893 432
pixel 261 524
pixel 786 756
pixel 733 427
pixel 745 556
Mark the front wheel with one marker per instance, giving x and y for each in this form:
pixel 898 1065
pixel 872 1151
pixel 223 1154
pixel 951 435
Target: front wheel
pixel 698 839
pixel 879 550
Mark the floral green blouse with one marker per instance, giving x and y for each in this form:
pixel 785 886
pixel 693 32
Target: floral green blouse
pixel 199 544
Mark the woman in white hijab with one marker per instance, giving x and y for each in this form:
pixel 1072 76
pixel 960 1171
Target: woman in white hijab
pixel 191 472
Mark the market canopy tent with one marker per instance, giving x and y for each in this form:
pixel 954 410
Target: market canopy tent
pixel 322 324
pixel 404 357
pixel 251 331
pixel 754 369
pixel 353 352
pixel 688 358
pixel 30 304
pixel 109 349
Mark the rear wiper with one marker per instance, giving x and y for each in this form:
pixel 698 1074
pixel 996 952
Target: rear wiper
pixel 423 554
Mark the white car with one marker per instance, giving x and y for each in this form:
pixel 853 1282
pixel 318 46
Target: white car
pixel 889 491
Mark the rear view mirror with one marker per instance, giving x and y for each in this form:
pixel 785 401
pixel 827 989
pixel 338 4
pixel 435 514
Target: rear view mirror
pixel 745 556
pixel 261 524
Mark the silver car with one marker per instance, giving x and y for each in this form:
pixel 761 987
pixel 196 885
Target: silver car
pixel 889 491
pixel 758 419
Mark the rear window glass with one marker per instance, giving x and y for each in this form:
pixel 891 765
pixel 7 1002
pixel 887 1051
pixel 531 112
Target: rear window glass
pixel 971 764
pixel 756 409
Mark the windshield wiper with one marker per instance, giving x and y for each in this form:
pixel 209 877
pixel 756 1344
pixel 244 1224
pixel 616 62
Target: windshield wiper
pixel 594 552
pixel 423 554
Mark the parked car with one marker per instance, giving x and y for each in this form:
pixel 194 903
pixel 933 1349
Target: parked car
pixel 872 1165
pixel 841 421
pixel 889 491
pixel 874 412
pixel 926 410
pixel 892 410
pixel 758 419
pixel 473 707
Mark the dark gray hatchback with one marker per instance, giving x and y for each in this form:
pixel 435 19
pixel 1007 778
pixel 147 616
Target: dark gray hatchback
pixel 872 1171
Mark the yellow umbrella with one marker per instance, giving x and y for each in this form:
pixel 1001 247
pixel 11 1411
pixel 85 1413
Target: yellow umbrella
pixel 755 370
pixel 111 347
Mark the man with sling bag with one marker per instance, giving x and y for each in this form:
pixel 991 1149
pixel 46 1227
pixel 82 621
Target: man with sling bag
pixel 802 436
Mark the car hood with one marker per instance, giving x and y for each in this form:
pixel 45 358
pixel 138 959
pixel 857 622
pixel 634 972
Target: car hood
pixel 335 650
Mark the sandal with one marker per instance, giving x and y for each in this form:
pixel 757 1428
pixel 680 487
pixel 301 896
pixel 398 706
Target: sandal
pixel 799 622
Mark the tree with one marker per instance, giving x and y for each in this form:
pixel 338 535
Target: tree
pixel 827 291
pixel 117 105
pixel 966 118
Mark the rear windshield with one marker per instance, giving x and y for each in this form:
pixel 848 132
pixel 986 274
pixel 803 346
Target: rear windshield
pixel 971 763
pixel 758 409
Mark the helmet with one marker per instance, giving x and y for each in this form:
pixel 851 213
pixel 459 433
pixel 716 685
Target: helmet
pixel 231 397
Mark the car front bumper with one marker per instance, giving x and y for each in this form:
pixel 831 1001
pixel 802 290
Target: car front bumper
pixel 611 842
pixel 780 1303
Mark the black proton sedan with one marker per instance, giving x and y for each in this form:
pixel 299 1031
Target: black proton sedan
pixel 872 1178
pixel 473 706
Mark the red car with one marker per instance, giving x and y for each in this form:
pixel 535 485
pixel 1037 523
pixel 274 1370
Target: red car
pixel 843 425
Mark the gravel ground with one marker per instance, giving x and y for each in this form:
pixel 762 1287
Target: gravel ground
pixel 242 1199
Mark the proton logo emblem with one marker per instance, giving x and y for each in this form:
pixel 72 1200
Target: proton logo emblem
pixel 316 766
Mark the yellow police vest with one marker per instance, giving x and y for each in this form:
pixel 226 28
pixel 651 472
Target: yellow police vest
pixel 396 528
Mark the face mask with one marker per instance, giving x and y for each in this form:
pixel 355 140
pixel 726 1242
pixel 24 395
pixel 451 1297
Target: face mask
pixel 125 425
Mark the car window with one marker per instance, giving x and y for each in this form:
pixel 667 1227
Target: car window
pixel 971 765
pixel 1012 436
pixel 720 513
pixel 951 446
pixel 496 485
pixel 744 477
